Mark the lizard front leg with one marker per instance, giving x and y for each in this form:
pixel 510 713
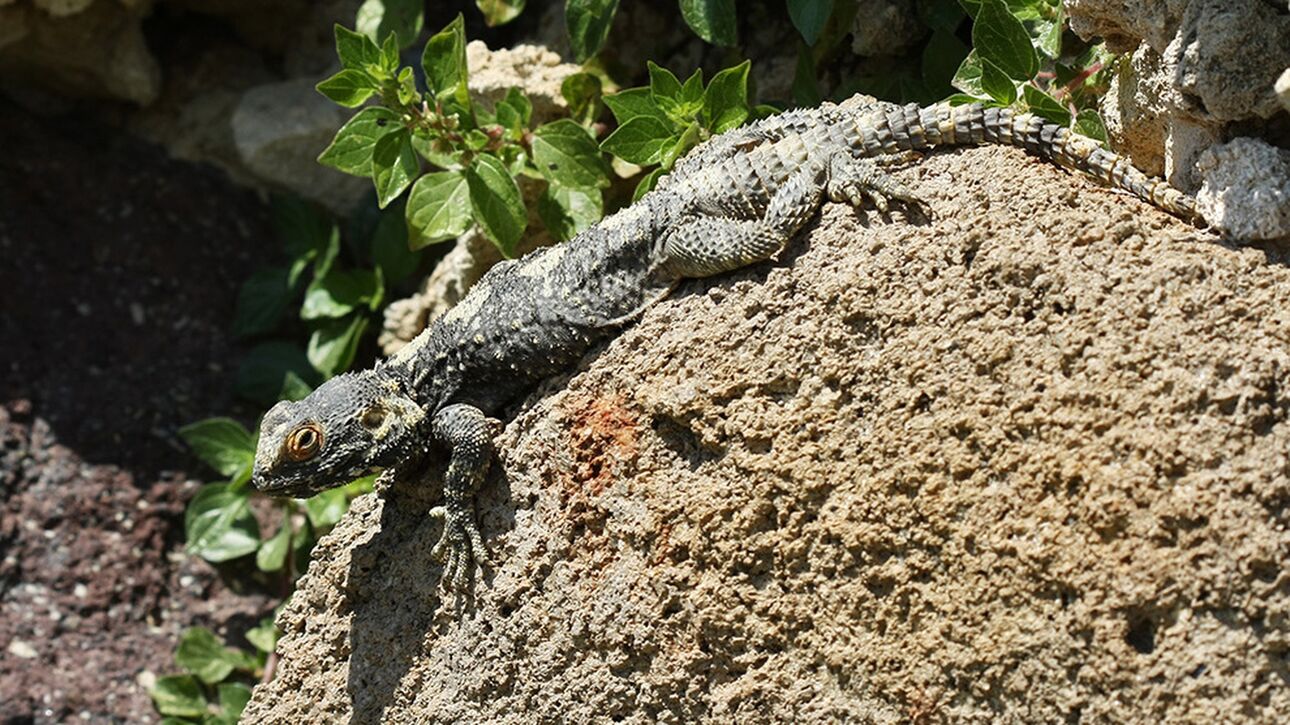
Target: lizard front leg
pixel 464 429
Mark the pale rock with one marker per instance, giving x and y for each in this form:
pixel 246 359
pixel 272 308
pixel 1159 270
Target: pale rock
pixel 279 130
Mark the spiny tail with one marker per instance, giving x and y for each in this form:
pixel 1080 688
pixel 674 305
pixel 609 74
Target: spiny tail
pixel 911 127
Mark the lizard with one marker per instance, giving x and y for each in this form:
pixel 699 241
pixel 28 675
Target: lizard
pixel 733 201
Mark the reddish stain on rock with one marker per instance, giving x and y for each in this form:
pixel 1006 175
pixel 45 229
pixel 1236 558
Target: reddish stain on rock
pixel 603 435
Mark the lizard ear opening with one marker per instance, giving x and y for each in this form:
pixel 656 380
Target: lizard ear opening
pixel 304 442
pixel 372 418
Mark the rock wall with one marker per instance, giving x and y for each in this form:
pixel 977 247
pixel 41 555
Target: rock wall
pixel 1195 100
pixel 1026 461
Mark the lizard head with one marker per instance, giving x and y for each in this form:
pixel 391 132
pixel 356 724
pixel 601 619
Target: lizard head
pixel 351 425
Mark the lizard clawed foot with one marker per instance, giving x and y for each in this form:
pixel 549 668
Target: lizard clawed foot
pixel 856 179
pixel 460 546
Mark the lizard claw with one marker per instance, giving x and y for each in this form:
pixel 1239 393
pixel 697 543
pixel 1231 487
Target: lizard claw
pixel 460 546
pixel 857 179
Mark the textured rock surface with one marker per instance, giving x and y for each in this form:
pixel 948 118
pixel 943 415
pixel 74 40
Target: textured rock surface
pixel 1247 189
pixel 884 27
pixel 531 68
pixel 279 130
pixel 1025 462
pixel 81 48
pixel 1201 71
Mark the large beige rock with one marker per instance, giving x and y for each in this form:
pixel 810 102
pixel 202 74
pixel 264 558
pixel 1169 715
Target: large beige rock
pixel 1023 462
pixel 280 128
pixel 80 48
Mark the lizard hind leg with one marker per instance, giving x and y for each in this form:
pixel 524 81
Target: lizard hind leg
pixel 710 243
pixel 854 179
pixel 465 429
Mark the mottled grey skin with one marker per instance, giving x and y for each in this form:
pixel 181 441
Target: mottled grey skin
pixel 735 200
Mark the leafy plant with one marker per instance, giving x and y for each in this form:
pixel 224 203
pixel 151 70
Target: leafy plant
pixel 715 21
pixel 1020 58
pixel 478 153
pixel 661 122
pixel 217 685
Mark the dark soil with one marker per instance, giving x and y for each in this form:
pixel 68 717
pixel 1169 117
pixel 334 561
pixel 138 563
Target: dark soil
pixel 118 273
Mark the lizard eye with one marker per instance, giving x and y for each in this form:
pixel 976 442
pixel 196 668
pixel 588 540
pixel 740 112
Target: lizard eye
pixel 304 442
pixel 372 418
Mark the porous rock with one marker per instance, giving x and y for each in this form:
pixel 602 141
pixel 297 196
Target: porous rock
pixel 80 48
pixel 1023 461
pixel 1201 71
pixel 1247 189
pixel 885 27
pixel 279 130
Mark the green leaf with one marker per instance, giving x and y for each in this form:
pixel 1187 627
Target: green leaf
pixel 379 18
pixel 1001 39
pixel 688 140
pixel 712 20
pixel 349 88
pixel 1048 35
pixel 662 82
pixel 390 250
pixel 438 208
pixel 648 183
pixel 262 301
pixel 444 62
pixel 333 344
pixel 496 203
pixel 809 17
pixel 327 257
pixel 642 140
pixel 943 15
pixel 942 57
pixel 498 12
pixel 1089 123
pixel 294 387
pixel 1042 104
pixel 351 150
pixel 566 154
pixel 218 524
pixel 180 696
pixel 520 103
pixel 305 231
pixel 692 89
pixel 326 508
pixel 582 92
pixel 201 653
pixel 509 119
pixel 565 211
pixel 588 24
pixel 634 102
pixel 272 553
pixel 356 50
pixel 264 636
pixel 261 372
pixel 806 85
pixel 725 102
pixel 390 55
pixel 968 76
pixel 394 166
pixel 233 698
pixel 222 443
pixel 997 84
pixel 337 294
